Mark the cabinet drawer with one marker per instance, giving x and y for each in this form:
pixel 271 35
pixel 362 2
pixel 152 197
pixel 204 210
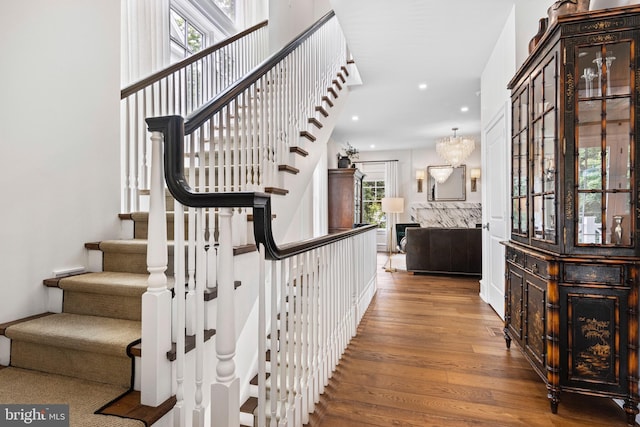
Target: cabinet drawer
pixel 594 273
pixel 537 266
pixel 515 257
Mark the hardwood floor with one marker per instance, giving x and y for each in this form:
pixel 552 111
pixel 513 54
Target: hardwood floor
pixel 430 352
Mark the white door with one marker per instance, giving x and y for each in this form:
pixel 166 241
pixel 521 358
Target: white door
pixel 495 210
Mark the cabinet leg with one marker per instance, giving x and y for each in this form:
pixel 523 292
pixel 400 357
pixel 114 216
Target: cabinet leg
pixel 554 400
pixel 507 338
pixel 631 408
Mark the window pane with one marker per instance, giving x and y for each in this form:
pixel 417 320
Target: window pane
pixel 524 167
pixel 550 217
pixel 538 98
pixel 550 85
pixel 549 163
pixel 178 26
pixel 618 139
pixel 372 194
pixel 515 215
pixel 618 213
pixel 194 39
pixel 589 82
pixel 618 76
pixel 537 156
pixel 537 217
pixel 590 218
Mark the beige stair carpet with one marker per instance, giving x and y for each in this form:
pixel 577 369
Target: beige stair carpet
pixel 106 294
pixel 83 397
pixel 88 347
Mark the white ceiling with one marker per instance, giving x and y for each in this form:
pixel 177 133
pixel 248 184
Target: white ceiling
pixel 398 44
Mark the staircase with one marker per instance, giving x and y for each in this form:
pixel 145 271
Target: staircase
pixel 93 354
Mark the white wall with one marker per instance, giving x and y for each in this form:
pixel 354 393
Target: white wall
pixel 59 115
pixel 527 16
pixel 289 18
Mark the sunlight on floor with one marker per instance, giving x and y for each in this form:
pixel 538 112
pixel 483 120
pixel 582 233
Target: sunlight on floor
pixel 397 261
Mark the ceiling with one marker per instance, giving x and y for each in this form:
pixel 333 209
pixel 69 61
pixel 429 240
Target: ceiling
pixel 400 44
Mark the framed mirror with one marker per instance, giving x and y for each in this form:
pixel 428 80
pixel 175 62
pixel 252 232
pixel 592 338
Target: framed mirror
pixel 452 189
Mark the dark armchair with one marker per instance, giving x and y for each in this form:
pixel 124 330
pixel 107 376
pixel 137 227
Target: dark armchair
pixel 401 231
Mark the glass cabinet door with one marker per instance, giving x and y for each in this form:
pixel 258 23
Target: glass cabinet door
pixel 543 159
pixel 519 166
pixel 603 145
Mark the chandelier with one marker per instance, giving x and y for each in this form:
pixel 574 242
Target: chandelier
pixel 440 173
pixel 455 149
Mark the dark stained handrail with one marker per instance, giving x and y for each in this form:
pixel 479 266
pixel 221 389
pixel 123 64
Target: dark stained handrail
pixel 172 127
pixel 148 81
pixel 206 111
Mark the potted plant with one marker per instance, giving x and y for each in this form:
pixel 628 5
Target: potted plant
pixel 349 152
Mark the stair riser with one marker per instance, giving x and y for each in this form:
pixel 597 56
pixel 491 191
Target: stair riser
pixel 131 263
pixel 116 306
pixel 141 229
pixel 102 368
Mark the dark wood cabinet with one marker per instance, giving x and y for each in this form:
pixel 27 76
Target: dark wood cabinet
pixel 345 199
pixel 571 297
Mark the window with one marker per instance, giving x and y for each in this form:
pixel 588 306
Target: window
pixel 372 194
pixel 186 38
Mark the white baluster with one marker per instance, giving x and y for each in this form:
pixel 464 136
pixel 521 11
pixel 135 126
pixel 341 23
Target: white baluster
pixel 305 340
pixel 179 288
pixel 273 344
pixel 156 301
pixel 315 324
pixel 281 376
pixel 190 310
pixel 225 392
pixel 201 271
pixel 262 340
pixel 292 338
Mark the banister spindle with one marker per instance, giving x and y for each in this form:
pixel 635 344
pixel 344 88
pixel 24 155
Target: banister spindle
pixel 225 391
pixel 156 301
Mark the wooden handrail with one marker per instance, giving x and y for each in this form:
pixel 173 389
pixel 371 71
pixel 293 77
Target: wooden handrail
pixel 202 114
pixel 147 81
pixel 172 127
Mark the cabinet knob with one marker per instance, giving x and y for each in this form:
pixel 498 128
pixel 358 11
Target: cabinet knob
pixel 534 267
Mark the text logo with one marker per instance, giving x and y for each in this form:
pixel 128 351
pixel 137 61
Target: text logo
pixel 34 415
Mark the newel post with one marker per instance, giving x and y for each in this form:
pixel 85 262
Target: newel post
pixel 225 391
pixel 156 301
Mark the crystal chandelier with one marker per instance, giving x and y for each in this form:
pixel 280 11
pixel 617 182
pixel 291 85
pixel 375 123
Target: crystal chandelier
pixel 455 149
pixel 440 173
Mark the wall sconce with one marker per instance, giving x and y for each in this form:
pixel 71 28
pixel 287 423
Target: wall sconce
pixel 420 179
pixel 475 176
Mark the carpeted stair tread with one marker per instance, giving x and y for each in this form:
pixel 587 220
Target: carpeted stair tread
pixel 132 246
pixel 22 386
pixel 107 282
pixel 84 333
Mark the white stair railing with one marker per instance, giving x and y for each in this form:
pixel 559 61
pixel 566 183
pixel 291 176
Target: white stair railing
pixel 240 140
pixel 217 159
pixel 316 300
pixel 179 89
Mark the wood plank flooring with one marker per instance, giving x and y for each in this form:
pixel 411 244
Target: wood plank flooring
pixel 430 352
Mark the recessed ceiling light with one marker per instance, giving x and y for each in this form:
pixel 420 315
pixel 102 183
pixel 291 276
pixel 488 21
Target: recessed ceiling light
pixel 464 109
pixel 372 146
pixel 355 118
pixel 422 86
